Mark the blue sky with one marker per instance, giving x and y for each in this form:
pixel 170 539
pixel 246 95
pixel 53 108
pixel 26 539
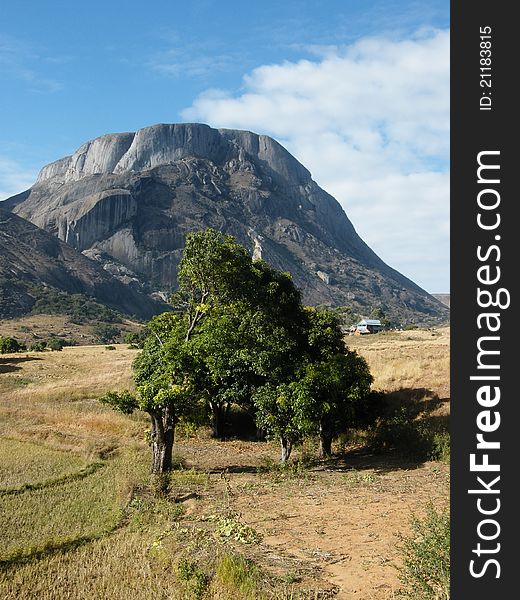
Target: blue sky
pixel 357 90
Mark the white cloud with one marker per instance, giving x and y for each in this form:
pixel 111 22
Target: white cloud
pixel 371 122
pixel 14 178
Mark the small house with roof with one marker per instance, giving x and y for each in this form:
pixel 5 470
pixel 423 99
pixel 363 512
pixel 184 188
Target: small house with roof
pixel 368 326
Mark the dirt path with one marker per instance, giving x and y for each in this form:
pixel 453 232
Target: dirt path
pixel 341 525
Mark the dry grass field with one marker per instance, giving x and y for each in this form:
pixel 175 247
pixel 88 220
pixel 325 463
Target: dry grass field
pixel 82 519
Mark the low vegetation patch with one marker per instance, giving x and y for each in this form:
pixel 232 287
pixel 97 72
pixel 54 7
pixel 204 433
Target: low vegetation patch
pixel 426 571
pixel 416 436
pixel 79 307
pixel 11 345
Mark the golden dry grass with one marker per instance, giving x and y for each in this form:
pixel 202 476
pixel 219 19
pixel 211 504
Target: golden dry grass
pixel 52 396
pixel 407 359
pixel 107 534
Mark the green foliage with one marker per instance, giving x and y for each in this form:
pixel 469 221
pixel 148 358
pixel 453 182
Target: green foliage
pixel 38 346
pixel 135 339
pixel 110 347
pixel 230 528
pixel 124 402
pixel 11 344
pixel 190 573
pixel 347 316
pixel 414 436
pixel 441 446
pixel 325 390
pixel 81 308
pixel 285 411
pixel 55 344
pixel 238 575
pixel 240 335
pixel 426 571
pixel 105 333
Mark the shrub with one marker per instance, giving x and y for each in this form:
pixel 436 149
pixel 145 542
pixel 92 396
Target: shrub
pixel 110 347
pixel 56 345
pixel 79 307
pixel 238 576
pixel 196 580
pixel 416 437
pixel 135 339
pixel 426 571
pixel 105 333
pixel 441 446
pixel 38 346
pixel 10 344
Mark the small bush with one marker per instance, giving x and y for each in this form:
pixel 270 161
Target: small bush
pixel 441 446
pixel 10 344
pixel 134 338
pixel 426 571
pixel 38 346
pixel 105 333
pixel 56 345
pixel 195 579
pixel 412 436
pixel 230 528
pixel 110 347
pixel 238 576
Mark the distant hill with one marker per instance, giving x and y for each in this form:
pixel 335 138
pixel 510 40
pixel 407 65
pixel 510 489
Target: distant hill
pixel 444 298
pixel 34 263
pixel 127 200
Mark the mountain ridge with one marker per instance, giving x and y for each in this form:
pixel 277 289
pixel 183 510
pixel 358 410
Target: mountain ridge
pixel 31 258
pixel 129 199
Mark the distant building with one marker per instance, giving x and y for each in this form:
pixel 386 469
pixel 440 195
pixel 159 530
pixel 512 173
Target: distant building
pixel 369 326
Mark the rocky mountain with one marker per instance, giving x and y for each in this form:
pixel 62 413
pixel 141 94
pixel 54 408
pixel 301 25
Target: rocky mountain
pixel 127 201
pixel 32 260
pixel 444 298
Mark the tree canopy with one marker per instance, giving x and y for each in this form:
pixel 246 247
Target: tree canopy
pixel 239 334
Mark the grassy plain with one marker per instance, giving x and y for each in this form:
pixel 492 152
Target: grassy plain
pixel 83 519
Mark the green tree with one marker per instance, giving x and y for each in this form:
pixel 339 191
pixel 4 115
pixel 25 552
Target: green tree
pixel 242 321
pixel 38 346
pixel 55 344
pixel 162 388
pixel 285 413
pixel 339 387
pixel 321 394
pixel 10 344
pixel 135 338
pixel 238 333
pixel 105 333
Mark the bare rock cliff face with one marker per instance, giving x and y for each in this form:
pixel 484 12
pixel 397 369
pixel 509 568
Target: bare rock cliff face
pixel 129 199
pixel 29 255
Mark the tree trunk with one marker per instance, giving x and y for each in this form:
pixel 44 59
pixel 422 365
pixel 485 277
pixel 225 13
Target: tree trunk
pixel 325 445
pixel 260 434
pixel 219 420
pixel 286 447
pixel 326 438
pixel 163 435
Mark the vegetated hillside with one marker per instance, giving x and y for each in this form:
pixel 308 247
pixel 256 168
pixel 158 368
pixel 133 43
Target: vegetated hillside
pixel 128 200
pixel 37 266
pixel 33 328
pixel 81 514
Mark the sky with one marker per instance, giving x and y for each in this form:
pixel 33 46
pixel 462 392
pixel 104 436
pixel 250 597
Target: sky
pixel 357 90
